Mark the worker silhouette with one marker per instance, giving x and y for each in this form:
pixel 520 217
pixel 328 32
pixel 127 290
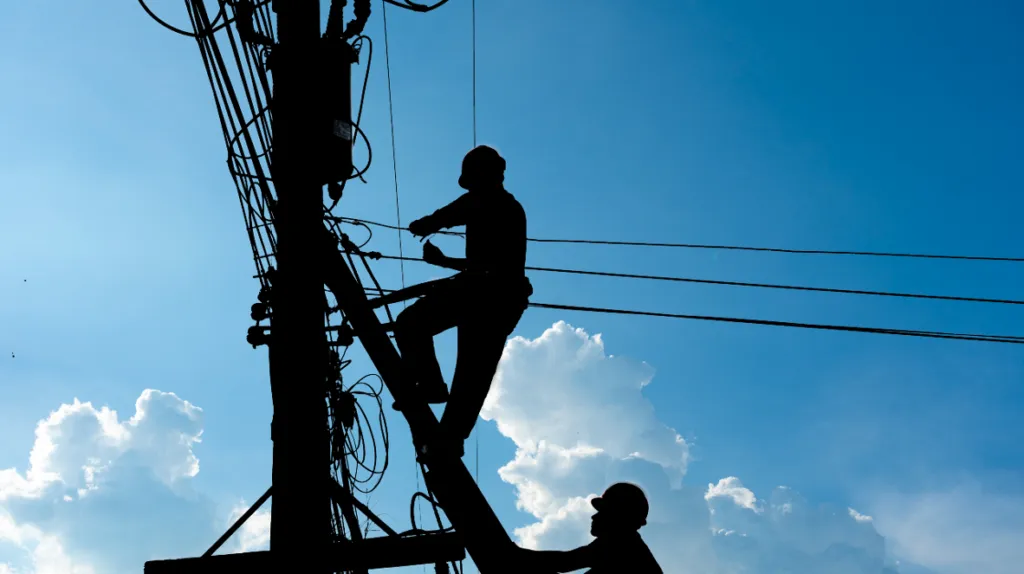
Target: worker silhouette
pixel 617 547
pixel 485 300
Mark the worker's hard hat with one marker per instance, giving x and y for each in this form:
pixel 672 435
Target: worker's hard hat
pixel 481 163
pixel 625 501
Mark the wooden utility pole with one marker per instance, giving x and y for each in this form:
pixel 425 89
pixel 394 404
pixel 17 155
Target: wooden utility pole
pixel 310 111
pixel 300 530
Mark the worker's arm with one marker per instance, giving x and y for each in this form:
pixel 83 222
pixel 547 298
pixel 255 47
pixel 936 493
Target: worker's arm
pixel 556 560
pixel 452 215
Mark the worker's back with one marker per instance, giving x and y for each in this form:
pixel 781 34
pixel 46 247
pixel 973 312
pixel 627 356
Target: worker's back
pixel 496 233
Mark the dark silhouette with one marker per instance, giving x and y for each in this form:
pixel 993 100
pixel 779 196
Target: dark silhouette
pixel 618 547
pixel 485 300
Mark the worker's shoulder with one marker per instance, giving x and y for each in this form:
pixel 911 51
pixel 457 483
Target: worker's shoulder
pixel 638 552
pixel 510 199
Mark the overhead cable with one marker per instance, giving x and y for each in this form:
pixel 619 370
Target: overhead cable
pixel 391 115
pixel 756 285
pixel 736 247
pixel 852 328
pixel 791 324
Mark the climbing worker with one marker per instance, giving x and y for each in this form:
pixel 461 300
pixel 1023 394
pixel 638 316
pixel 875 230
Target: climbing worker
pixel 484 300
pixel 617 546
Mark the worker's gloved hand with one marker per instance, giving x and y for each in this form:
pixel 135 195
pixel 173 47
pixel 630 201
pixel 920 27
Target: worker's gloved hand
pixel 421 227
pixel 432 254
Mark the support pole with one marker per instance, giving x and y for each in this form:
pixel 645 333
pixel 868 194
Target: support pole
pixel 300 530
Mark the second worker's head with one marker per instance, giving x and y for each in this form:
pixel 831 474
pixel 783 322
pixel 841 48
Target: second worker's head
pixel 622 508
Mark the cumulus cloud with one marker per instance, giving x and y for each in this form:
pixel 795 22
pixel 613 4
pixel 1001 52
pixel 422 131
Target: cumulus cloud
pixel 858 516
pixel 730 487
pixel 580 421
pixel 99 494
pixel 255 531
pixel 961 530
pixel 563 389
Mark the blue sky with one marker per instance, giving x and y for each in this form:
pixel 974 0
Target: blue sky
pixel 860 125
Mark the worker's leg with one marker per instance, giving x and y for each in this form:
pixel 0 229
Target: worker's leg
pixel 481 343
pixel 415 328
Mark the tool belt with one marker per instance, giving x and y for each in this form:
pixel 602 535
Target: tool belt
pixel 505 286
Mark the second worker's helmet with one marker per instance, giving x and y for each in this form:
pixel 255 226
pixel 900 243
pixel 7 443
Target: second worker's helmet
pixel 624 501
pixel 482 165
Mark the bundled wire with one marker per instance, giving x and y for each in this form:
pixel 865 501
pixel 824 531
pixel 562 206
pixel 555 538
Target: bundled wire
pixel 234 46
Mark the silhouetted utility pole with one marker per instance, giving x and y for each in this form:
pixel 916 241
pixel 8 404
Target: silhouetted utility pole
pixel 301 525
pixel 311 146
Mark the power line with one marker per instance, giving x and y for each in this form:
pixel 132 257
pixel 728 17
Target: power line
pixel 827 327
pixel 394 164
pixel 394 153
pixel 756 285
pixel 476 438
pixel 474 72
pixel 791 324
pixel 738 247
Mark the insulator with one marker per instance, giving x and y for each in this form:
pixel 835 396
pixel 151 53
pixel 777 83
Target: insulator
pixel 259 312
pixel 335 190
pixel 346 412
pixel 333 367
pixel 346 336
pixel 257 336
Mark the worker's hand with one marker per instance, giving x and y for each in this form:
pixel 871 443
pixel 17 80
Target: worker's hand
pixel 420 227
pixel 432 254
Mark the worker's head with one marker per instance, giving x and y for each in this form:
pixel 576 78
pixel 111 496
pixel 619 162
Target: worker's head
pixel 482 168
pixel 622 508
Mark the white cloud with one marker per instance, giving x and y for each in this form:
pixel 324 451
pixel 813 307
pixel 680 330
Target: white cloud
pixel 730 487
pixel 101 495
pixel 563 389
pixel 858 516
pixel 580 421
pixel 255 531
pixel 962 530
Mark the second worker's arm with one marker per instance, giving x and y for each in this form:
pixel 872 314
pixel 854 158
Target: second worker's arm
pixel 550 561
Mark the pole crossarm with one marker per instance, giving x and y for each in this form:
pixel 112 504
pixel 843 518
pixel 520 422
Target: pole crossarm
pixel 486 540
pixel 365 554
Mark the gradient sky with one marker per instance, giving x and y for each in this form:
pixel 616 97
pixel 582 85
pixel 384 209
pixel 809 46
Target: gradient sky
pixel 856 126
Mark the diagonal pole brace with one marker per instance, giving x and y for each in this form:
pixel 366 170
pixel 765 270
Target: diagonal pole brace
pixel 238 523
pixel 344 496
